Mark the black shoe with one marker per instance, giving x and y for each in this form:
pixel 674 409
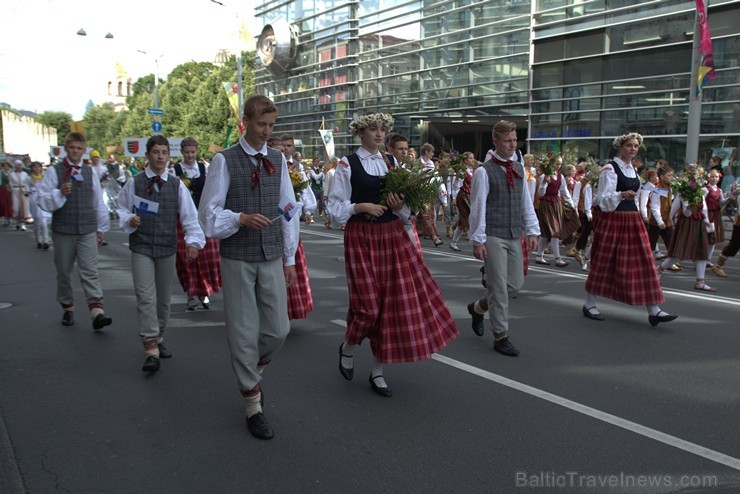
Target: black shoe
pixel 68 318
pixel 38 246
pixel 347 373
pixel 590 315
pixel 101 321
pixel 163 351
pixel 505 347
pixel 384 392
pixel 151 364
pixel 654 320
pixel 46 246
pixel 258 426
pixel 478 321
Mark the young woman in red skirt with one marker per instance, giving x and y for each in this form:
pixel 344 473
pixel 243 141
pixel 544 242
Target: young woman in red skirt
pixel 393 299
pixel 200 278
pixel 622 266
pixel 300 297
pixel 462 201
pixel 690 239
pixel 553 192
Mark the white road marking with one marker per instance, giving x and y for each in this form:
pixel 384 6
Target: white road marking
pixel 642 430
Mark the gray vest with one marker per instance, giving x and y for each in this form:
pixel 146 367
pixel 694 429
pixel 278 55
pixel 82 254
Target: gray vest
pixel 503 204
pixel 250 244
pixel 79 215
pixel 157 234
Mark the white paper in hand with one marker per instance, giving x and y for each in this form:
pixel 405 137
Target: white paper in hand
pixel 144 206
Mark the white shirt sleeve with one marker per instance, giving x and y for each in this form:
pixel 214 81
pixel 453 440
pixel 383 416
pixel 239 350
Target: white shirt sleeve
pixel 189 219
pixel 588 201
pixel 577 192
pixel 125 207
pixel 478 195
pixel 565 193
pixel 50 197
pixel 339 205
pixel 101 209
pixel 530 223
pixel 217 222
pixel 608 198
pixel 291 229
pixel 655 207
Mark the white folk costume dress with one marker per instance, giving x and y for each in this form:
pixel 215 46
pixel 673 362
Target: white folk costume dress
pixel 41 218
pixel 19 187
pixel 622 266
pixel 201 277
pixel 393 299
pixel 300 299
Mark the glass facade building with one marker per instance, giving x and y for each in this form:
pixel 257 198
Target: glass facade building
pixel 571 73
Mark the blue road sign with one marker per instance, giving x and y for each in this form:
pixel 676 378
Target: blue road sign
pixel 156 111
pixel 157 126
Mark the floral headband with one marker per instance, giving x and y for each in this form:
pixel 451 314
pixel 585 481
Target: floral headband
pixel 627 137
pixel 365 121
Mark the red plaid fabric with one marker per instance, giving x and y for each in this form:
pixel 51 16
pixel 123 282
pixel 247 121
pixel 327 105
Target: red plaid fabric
pixel 689 240
pixel 300 300
pixel 622 265
pixel 202 277
pixel 6 203
pixel 393 299
pixel 427 223
pixel 462 202
pixel 525 254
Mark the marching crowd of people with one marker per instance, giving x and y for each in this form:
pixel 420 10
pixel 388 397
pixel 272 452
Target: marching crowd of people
pixel 213 227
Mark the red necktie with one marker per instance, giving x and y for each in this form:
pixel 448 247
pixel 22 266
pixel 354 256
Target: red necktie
pixel 154 180
pixel 511 172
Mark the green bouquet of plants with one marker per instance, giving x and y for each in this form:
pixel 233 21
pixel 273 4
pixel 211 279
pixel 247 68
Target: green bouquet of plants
pixel 418 185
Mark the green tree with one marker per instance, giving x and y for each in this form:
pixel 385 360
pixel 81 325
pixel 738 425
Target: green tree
pixel 98 122
pixel 59 120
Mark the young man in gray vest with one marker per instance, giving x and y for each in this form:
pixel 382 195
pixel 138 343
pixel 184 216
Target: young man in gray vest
pixel 240 200
pixel 71 192
pixel 149 207
pixel 500 212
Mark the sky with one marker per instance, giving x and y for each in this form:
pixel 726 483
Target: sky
pixel 46 66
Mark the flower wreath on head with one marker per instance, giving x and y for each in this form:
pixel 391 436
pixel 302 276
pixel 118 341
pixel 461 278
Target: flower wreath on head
pixel 619 140
pixel 365 121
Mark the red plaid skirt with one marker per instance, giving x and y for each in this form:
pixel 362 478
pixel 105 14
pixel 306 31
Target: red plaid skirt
pixel 689 239
pixel 203 276
pixel 426 223
pixel 300 300
pixel 550 215
pixel 393 299
pixel 715 216
pixel 622 265
pixel 525 254
pixel 571 224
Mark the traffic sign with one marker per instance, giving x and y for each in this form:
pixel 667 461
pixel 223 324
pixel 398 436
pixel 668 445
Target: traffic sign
pixel 156 111
pixel 157 126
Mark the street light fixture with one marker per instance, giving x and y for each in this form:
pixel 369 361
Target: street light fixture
pixel 156 75
pixel 82 32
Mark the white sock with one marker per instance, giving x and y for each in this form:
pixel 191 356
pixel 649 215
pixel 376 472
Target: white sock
pixel 555 244
pixel 252 404
pixel 348 362
pixel 653 309
pixel 541 244
pixel 590 303
pixel 456 236
pixel 701 269
pixel 711 252
pixel 668 262
pixel 378 371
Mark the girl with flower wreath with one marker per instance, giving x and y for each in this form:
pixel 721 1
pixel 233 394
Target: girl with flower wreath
pixel 690 239
pixel 393 299
pixel 199 278
pixel 622 266
pixel 715 199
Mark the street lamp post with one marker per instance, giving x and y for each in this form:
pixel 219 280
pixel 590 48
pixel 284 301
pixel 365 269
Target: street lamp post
pixel 239 75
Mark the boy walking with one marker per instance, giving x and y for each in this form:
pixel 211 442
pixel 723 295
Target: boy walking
pixel 71 192
pixel 244 186
pixel 149 206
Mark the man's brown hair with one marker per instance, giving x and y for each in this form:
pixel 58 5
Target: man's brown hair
pixel 74 137
pixel 257 105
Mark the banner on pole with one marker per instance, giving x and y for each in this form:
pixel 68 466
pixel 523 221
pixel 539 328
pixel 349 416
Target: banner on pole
pixel 327 136
pixel 706 71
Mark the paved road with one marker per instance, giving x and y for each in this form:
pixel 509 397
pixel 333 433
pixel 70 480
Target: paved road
pixel 615 406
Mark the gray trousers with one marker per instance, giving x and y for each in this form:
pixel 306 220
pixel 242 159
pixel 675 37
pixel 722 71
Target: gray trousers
pixel 256 312
pixel 84 250
pixel 504 279
pixel 153 288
